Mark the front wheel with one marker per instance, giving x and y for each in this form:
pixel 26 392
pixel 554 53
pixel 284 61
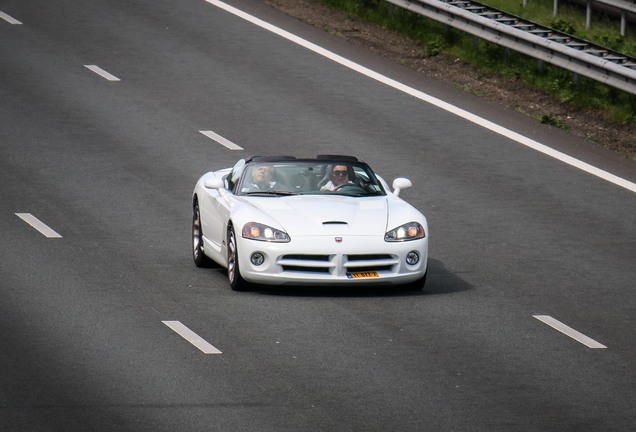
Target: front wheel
pixel 237 283
pixel 200 258
pixel 417 285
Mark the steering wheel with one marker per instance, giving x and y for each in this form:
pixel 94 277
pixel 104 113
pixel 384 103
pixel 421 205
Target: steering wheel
pixel 350 188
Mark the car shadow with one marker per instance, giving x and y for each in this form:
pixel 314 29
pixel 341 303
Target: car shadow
pixel 439 281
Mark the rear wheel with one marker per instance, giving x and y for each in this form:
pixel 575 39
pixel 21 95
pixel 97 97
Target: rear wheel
pixel 200 258
pixel 237 283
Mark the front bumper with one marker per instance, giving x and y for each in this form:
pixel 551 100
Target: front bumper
pixel 321 260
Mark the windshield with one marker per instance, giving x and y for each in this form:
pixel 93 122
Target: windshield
pixel 309 178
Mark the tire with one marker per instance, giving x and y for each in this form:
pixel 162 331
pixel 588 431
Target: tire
pixel 417 285
pixel 199 257
pixel 237 283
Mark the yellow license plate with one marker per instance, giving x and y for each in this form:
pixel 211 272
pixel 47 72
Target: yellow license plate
pixel 358 275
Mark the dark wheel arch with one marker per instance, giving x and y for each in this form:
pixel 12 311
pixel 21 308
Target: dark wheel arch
pixel 236 281
pixel 198 254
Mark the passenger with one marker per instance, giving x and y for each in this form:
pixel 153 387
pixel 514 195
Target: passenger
pixel 263 180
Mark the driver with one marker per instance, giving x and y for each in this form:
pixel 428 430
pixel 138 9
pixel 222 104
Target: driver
pixel 339 177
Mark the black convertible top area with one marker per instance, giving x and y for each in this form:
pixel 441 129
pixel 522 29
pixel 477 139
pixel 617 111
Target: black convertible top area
pixel 340 158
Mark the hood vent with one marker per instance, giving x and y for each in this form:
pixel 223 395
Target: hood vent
pixel 335 223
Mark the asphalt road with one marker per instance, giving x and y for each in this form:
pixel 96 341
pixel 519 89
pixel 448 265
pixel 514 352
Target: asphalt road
pixel 109 167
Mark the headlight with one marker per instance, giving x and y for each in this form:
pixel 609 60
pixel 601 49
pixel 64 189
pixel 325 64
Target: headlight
pixel 406 232
pixel 256 231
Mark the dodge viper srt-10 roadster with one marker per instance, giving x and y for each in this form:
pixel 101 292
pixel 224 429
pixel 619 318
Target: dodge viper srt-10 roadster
pixel 328 220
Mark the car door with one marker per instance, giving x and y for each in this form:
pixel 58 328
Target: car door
pixel 216 207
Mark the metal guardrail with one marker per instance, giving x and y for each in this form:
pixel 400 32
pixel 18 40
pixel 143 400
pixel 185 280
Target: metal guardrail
pixel 543 43
pixel 622 7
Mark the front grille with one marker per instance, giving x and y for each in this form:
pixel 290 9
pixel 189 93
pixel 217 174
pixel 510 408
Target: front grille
pixel 369 263
pixel 301 257
pixel 368 257
pixel 370 268
pixel 297 268
pixel 338 265
pixel 306 263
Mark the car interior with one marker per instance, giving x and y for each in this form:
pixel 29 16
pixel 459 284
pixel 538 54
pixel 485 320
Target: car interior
pixel 307 176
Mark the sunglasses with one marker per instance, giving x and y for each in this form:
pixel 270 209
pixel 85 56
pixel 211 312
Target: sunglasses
pixel 340 173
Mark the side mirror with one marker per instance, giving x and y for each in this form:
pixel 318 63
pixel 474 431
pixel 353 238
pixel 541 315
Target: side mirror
pixel 214 183
pixel 399 184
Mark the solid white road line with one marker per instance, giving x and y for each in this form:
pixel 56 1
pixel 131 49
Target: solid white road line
pixel 38 225
pixel 101 72
pixel 9 18
pixel 430 99
pixel 569 331
pixel 191 337
pixel 218 138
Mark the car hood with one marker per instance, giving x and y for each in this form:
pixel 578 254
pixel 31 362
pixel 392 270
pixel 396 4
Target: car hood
pixel 337 215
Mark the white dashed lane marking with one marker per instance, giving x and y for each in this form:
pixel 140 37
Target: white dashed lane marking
pixel 223 141
pixel 9 18
pixel 38 225
pixel 192 337
pixel 101 72
pixel 569 331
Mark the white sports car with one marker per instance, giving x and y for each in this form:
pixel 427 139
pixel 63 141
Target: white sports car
pixel 321 221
